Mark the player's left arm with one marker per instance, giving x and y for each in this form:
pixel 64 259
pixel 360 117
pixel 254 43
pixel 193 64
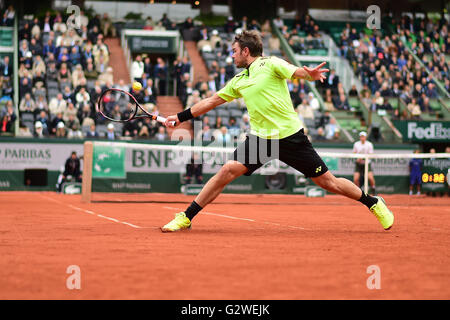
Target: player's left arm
pixel 286 70
pixel 311 74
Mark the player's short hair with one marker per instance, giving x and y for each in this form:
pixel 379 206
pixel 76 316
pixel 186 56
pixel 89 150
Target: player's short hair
pixel 251 40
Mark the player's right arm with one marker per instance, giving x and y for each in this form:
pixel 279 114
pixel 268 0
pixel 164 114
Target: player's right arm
pixel 226 94
pixel 205 105
pixel 196 110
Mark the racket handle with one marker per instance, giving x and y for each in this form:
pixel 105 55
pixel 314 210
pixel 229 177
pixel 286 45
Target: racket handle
pixel 163 120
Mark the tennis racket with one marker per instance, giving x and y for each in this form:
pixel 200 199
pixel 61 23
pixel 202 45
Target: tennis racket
pixel 133 112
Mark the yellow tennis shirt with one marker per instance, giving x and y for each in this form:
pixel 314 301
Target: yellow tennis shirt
pixel 264 89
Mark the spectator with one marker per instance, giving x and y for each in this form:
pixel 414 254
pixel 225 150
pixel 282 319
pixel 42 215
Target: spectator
pixel 148 67
pixel 305 111
pixel 68 94
pixel 313 102
pixel 25 86
pixel 137 69
pixel 57 104
pixel 39 131
pixel 38 66
pixel 332 80
pixel 107 76
pixel 353 92
pixel 27 104
pixel 110 134
pixel 194 169
pixel 331 129
pixel 92 133
pixel 230 25
pixel 107 26
pixel 274 42
pixel 72 171
pixel 144 132
pixel 70 121
pixel 70 111
pixel 86 116
pixel 328 104
pixel 415 174
pixel 101 64
pixel 222 135
pixel 215 40
pixel 43 118
pixel 320 135
pixel 363 147
pixel 90 73
pixel 161 135
pixel 55 122
pixel 229 68
pixel 193 99
pixel 6 70
pixel 64 75
pixel 74 131
pixel 245 124
pixel 188 24
pixel 342 103
pixel 414 109
pixel 386 105
pixel 233 128
pixel 8 118
pixel 161 77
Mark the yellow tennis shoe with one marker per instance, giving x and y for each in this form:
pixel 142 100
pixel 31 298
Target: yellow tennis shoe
pixel 383 214
pixel 180 222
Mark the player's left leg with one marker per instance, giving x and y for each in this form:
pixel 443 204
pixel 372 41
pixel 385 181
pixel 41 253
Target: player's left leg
pixel 348 189
pixel 298 152
pixel 230 171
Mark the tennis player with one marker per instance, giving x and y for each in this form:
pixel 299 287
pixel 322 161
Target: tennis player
pixel 262 85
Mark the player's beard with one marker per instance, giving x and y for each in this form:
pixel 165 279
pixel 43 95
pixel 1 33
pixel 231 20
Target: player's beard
pixel 240 63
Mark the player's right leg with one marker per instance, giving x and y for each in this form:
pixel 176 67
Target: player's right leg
pixel 246 159
pixel 230 171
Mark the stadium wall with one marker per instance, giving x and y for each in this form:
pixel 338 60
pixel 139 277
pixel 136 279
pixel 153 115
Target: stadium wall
pixel 143 170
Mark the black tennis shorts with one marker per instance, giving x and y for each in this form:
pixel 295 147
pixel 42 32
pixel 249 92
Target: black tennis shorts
pixel 295 150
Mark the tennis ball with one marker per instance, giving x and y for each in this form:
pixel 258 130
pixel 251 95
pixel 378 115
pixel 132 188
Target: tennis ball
pixel 137 86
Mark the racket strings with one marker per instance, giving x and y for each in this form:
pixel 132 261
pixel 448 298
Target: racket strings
pixel 117 106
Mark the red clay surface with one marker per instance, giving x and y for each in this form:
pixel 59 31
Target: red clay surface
pixel 241 247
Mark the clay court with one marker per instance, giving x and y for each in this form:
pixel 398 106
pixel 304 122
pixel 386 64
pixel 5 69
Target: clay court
pixel 240 247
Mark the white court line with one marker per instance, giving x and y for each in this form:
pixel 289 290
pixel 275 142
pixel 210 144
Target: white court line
pixel 92 213
pixel 236 218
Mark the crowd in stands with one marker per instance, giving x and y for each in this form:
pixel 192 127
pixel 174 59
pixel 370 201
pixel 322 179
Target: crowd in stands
pixel 7 110
pixel 388 70
pixel 63 71
pixel 304 35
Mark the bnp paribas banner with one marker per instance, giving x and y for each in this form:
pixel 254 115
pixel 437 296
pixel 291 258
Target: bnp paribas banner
pixel 50 156
pixel 169 161
pixel 424 131
pixel 135 168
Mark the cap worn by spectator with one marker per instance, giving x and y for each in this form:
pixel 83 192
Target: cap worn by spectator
pixel 38 124
pixel 363 133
